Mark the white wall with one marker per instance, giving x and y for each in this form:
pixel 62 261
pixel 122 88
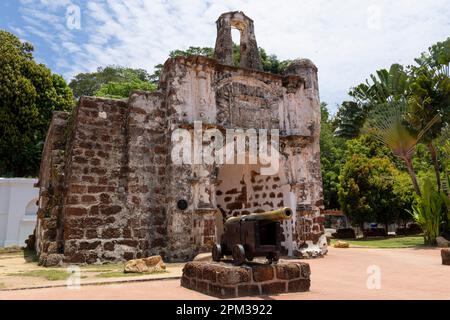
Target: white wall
pixel 18 209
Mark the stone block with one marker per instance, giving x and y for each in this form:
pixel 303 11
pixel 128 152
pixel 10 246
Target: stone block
pixel 227 281
pixel 53 260
pixel 108 246
pixel 201 286
pixel 75 211
pixel 287 271
pixel 299 285
pixel 84 245
pixel 445 255
pixel 210 273
pixel 305 270
pixel 262 273
pixel 230 276
pixel 273 288
pixel 222 291
pixel 185 282
pixel 248 290
pixel 111 233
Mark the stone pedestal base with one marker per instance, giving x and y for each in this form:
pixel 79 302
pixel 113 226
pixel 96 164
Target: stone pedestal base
pixel 227 281
pixel 445 254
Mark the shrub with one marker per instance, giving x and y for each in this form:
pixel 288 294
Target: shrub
pixel 427 211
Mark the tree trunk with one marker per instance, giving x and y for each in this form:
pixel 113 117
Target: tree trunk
pixel 434 159
pixel 412 174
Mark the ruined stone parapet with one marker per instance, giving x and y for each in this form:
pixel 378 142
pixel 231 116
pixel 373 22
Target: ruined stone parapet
pixel 227 281
pixel 250 57
pixel 307 70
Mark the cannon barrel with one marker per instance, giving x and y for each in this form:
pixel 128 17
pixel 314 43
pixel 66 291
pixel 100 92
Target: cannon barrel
pixel 275 215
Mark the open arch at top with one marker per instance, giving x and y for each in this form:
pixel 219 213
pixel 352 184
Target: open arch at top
pixel 223 52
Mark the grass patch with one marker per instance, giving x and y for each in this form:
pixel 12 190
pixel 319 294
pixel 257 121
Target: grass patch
pixel 119 274
pixel 385 243
pixel 100 270
pixel 49 274
pixel 103 267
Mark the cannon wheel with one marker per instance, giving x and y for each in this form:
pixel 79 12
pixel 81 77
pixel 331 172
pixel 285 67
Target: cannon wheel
pixel 273 257
pixel 238 254
pixel 217 252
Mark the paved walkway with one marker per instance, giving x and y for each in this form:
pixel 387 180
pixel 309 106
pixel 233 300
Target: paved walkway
pixel 342 274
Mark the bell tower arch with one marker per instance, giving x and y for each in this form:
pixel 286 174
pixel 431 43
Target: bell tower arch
pixel 223 52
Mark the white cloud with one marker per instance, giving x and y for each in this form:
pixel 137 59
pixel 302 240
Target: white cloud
pixel 347 40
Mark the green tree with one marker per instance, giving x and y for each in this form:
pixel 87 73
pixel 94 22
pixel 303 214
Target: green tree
pixel 370 190
pixel 425 88
pixel 350 119
pixel 369 146
pixel 89 84
pixel 332 158
pixel 29 93
pixel 123 89
pixel 271 63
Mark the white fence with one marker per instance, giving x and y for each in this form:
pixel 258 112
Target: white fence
pixel 18 208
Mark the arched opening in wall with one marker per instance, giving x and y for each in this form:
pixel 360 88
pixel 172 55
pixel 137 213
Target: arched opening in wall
pixel 236 37
pixel 242 189
pixel 28 221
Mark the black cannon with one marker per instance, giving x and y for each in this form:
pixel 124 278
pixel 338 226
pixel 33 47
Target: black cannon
pixel 253 235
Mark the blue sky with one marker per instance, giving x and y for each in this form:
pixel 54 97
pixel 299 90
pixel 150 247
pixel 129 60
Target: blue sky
pixel 346 39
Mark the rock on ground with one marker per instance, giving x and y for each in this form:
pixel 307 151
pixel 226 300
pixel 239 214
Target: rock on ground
pixel 341 244
pixel 442 242
pixel 150 264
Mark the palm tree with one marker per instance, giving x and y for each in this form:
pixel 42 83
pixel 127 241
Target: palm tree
pixel 387 123
pixel 430 96
pixel 425 88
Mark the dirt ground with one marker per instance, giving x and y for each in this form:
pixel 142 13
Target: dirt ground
pixel 348 274
pixel 19 272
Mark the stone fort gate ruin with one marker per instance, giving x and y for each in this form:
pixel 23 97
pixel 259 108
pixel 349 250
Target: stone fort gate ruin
pixel 109 190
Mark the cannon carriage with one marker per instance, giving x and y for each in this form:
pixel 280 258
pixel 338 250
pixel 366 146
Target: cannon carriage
pixel 253 235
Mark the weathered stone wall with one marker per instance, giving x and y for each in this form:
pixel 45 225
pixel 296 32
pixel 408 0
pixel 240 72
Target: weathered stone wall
pixel 109 188
pixel 51 186
pixel 146 179
pixel 225 97
pixel 94 214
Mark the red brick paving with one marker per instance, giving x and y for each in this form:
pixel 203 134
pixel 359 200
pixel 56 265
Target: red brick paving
pixel 342 274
